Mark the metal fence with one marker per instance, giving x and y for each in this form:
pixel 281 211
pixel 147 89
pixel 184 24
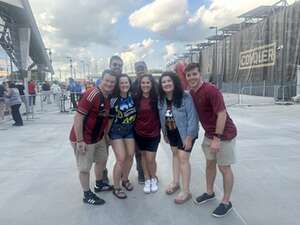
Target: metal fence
pixel 258 93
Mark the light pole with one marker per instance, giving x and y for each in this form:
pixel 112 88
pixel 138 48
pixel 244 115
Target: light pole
pixel 216 57
pixel 71 66
pixel 50 58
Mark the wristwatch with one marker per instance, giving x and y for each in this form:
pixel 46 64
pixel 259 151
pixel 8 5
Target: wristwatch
pixel 217 135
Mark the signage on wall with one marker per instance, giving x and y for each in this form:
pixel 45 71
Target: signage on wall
pixel 262 56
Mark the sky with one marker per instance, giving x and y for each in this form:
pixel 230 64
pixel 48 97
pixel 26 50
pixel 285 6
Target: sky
pixel 90 31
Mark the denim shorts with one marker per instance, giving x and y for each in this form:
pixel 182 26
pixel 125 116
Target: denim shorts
pixel 121 131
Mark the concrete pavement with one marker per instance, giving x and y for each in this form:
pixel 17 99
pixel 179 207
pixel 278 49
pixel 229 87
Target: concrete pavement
pixel 39 185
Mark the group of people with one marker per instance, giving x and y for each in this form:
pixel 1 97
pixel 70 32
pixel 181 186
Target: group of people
pixel 131 118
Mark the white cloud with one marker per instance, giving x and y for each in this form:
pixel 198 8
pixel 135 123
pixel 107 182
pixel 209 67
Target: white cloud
pixel 160 15
pixel 224 12
pixel 171 50
pixel 137 51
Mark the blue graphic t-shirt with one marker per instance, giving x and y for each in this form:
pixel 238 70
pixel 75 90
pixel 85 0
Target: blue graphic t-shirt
pixel 123 110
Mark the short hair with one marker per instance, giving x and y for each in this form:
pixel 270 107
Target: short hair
pixel 192 66
pixel 115 57
pixel 140 65
pixel 107 71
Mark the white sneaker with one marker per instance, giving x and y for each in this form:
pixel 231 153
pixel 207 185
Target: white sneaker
pixel 147 187
pixel 154 186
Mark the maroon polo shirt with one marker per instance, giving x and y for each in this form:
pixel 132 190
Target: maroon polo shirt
pixel 209 102
pixel 95 109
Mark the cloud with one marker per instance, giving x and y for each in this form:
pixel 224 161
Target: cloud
pixel 185 26
pixel 171 50
pixel 160 15
pixel 137 51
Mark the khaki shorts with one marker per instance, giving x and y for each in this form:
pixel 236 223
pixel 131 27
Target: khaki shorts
pixel 94 153
pixel 225 157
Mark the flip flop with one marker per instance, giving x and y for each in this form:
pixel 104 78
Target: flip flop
pixel 119 193
pixel 172 189
pixel 127 185
pixel 181 201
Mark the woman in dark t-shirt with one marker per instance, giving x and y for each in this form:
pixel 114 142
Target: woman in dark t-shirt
pixel 147 129
pixel 123 115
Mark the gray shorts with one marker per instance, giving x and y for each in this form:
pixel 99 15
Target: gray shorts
pixel 226 155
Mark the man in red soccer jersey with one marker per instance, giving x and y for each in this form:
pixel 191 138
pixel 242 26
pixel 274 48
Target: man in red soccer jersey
pixel 87 135
pixel 219 140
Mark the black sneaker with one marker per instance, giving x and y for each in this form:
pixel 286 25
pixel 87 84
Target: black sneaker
pixel 204 198
pixel 102 186
pixel 93 199
pixel 222 210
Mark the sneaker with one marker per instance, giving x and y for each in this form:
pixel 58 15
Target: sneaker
pixel 102 186
pixel 92 199
pixel 204 198
pixel 222 210
pixel 154 186
pixel 147 187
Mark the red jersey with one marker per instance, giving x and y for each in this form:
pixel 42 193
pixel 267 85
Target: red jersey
pixel 95 109
pixel 147 122
pixel 208 102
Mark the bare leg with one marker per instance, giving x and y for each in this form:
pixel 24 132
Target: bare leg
pixel 151 164
pixel 129 143
pixel 228 181
pixel 84 178
pixel 211 172
pixel 119 150
pixel 185 170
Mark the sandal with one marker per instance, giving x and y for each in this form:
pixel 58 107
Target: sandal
pixel 127 185
pixel 183 200
pixel 119 193
pixel 172 189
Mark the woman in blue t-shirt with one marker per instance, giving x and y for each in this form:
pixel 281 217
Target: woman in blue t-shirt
pixel 123 115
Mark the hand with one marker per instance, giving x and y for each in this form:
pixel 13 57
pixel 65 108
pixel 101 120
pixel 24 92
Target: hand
pixel 81 147
pixel 188 143
pixel 166 139
pixel 215 145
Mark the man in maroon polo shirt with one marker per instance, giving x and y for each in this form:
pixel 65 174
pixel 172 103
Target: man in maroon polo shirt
pixel 219 139
pixel 87 135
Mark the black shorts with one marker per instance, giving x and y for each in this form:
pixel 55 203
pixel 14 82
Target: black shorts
pixel 149 144
pixel 175 140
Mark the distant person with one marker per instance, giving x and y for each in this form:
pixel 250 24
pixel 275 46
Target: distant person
pixel 179 122
pixel 20 86
pixel 72 89
pixel 56 91
pixel 2 102
pixel 78 90
pixel 147 130
pixel 87 135
pixel 179 69
pixel 219 139
pixel 14 101
pixel 46 91
pixel 32 92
